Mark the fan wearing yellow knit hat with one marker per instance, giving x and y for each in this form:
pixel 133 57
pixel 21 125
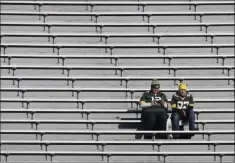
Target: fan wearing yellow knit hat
pixel 182 105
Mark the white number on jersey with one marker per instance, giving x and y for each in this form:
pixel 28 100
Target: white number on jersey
pixel 156 98
pixel 182 104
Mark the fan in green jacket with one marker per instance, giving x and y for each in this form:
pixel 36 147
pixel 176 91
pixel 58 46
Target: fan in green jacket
pixel 154 105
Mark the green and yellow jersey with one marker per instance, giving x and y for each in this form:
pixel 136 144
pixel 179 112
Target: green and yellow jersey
pixel 178 102
pixel 149 97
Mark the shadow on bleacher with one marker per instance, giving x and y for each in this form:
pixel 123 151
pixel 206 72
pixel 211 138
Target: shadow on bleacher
pixel 132 126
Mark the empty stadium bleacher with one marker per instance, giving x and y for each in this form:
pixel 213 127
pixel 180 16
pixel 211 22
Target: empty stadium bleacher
pixel 110 35
pixel 79 68
pixel 101 26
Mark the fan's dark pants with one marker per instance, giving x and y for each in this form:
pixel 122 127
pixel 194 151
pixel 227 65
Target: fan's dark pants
pixel 177 116
pixel 154 118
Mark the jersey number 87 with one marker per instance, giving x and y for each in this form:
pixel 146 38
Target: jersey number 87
pixel 182 104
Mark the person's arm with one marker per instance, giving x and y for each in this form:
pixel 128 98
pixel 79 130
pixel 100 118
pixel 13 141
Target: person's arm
pixel 143 104
pixel 164 102
pixel 173 102
pixel 191 102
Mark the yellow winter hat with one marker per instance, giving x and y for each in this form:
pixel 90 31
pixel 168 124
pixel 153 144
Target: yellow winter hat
pixel 182 86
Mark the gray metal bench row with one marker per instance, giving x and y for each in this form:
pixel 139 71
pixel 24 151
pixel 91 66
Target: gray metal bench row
pixel 52 154
pixel 84 101
pixel 111 47
pixel 131 91
pixel 98 133
pixel 93 4
pixel 104 143
pixel 116 25
pixel 106 36
pixel 115 57
pixel 121 79
pixel 121 69
pixel 116 14
pixel 100 121
pixel 100 111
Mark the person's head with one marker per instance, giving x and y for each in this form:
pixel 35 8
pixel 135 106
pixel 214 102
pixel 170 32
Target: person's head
pixel 155 86
pixel 182 89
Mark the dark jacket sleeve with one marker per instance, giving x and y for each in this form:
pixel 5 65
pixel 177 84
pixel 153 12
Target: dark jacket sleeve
pixel 191 102
pixel 173 102
pixel 164 97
